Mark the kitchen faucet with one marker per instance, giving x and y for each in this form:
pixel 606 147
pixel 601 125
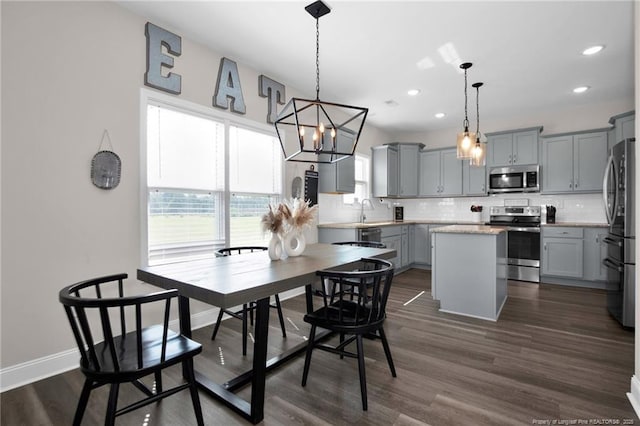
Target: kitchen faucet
pixel 362 215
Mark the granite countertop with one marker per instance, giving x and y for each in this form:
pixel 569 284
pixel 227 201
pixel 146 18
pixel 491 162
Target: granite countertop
pixel 578 224
pixel 349 225
pixel 470 229
pixel 358 225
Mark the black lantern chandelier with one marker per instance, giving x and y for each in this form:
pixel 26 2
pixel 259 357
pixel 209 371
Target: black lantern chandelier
pixel 479 149
pixel 465 140
pixel 320 132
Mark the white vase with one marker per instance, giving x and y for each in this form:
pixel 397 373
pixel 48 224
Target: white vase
pixel 275 247
pixel 294 242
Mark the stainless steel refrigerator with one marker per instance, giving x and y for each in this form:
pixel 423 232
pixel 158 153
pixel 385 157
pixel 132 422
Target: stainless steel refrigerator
pixel 619 202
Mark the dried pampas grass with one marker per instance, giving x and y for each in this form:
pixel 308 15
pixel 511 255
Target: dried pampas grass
pixel 295 214
pixel 272 221
pixel 303 215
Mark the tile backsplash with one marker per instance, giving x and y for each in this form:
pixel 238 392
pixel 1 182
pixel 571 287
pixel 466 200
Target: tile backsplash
pixel 582 208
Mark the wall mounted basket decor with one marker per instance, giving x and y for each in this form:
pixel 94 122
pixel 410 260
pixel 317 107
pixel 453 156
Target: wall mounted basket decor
pixel 106 166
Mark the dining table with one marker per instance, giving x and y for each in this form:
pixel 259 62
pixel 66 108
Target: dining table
pixel 230 281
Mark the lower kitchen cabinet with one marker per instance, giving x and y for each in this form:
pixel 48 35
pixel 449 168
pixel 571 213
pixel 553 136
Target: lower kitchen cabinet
pixel 394 242
pixel 562 252
pixel 421 244
pixel 595 251
pixel 574 255
pixel 406 254
pixel 333 235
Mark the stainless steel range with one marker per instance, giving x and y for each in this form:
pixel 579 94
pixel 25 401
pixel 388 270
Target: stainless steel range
pixel 523 235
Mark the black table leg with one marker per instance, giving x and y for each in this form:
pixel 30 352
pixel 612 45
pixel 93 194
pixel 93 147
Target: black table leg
pixel 308 290
pixel 259 360
pixel 185 323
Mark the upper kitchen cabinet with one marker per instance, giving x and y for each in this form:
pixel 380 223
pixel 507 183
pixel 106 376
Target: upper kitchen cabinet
pixel 574 162
pixel 440 173
pixel 474 179
pixel 513 147
pixel 339 177
pixel 395 170
pixel 624 127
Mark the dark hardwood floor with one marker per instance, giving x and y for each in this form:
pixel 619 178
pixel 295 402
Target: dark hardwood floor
pixel 554 354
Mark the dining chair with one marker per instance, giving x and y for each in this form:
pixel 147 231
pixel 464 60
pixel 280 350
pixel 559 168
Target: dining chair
pixel 373 244
pixel 114 350
pixel 357 317
pixel 247 309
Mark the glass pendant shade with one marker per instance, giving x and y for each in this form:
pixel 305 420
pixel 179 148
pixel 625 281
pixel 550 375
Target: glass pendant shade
pixel 466 141
pixel 478 154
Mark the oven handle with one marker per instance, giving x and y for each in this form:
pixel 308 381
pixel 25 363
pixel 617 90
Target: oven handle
pixel 613 265
pixel 533 229
pixel 609 240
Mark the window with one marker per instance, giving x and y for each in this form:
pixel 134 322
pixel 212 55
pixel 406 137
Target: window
pixel 198 198
pixel 362 181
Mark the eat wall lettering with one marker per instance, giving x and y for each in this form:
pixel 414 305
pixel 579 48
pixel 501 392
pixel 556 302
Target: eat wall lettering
pixel 228 93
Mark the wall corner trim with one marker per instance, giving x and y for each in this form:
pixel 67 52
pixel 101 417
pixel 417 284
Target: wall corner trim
pixel 634 395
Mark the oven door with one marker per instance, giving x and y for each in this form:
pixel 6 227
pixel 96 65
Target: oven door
pixel 523 250
pixel 524 246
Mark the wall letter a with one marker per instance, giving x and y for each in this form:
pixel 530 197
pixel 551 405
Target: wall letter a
pixel 228 88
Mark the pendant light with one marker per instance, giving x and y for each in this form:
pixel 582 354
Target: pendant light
pixel 319 132
pixel 479 150
pixel 465 138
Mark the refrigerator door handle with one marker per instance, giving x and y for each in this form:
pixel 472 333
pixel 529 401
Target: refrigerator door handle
pixel 613 265
pixel 605 188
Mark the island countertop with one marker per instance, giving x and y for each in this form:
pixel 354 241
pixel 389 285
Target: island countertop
pixel 470 229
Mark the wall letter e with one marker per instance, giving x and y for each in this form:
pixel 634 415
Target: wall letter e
pixel 156 38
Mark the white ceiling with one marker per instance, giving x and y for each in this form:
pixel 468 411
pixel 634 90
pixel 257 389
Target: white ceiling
pixel 528 54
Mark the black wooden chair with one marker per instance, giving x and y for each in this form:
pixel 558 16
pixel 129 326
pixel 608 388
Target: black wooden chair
pixel 96 308
pixel 247 309
pixel 374 244
pixel 364 315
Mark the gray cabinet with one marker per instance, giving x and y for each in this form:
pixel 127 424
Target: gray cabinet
pixel 339 177
pixel 595 251
pixel 407 250
pixel 392 238
pixel 395 170
pixel 574 162
pixel 513 147
pixel 384 173
pixel 408 169
pixel 421 244
pixel 562 252
pixel 624 126
pixel 440 173
pixel 474 179
pixel 334 235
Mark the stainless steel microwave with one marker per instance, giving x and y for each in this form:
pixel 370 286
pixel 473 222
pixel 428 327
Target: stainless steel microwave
pixel 514 179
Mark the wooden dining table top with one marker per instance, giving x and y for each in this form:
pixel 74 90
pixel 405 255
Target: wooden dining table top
pixel 233 280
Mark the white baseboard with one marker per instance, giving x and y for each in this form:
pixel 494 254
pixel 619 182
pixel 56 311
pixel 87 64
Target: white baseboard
pixel 634 395
pixel 41 368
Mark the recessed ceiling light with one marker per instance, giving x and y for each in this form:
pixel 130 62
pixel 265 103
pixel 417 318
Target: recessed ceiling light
pixel 440 115
pixel 581 89
pixel 413 92
pixel 592 50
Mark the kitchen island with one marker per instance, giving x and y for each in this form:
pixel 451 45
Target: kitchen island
pixel 469 275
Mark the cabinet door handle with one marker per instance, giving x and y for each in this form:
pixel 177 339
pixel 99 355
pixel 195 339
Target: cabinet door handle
pixel 570 185
pixel 576 184
pixel 510 159
pixel 515 159
pixel 544 246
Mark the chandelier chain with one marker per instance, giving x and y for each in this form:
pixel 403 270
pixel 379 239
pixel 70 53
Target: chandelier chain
pixel 317 58
pixel 478 111
pixel 465 123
